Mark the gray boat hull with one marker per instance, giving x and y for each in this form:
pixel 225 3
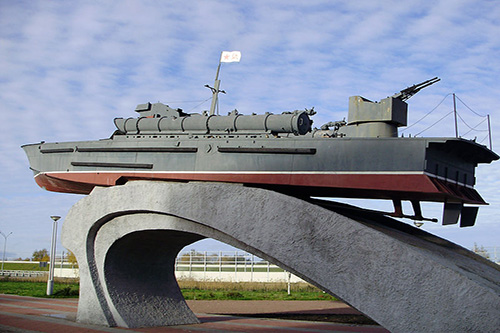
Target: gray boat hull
pixel 427 169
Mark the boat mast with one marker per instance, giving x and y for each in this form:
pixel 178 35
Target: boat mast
pixel 455 112
pixel 226 56
pixel 489 132
pixel 215 90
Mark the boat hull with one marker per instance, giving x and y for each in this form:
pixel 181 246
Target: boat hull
pixel 403 186
pixel 420 169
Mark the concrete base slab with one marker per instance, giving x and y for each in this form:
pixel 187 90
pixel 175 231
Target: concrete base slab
pixel 32 314
pixel 126 238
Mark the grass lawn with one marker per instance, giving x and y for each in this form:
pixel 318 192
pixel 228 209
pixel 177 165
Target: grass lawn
pixel 192 290
pixel 37 288
pixel 28 266
pixel 198 294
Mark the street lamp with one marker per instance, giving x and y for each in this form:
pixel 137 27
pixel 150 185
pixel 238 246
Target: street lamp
pixel 50 282
pixel 4 247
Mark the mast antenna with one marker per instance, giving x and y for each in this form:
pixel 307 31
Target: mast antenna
pixel 226 56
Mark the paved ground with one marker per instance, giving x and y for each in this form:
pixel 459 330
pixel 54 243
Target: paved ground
pixel 30 314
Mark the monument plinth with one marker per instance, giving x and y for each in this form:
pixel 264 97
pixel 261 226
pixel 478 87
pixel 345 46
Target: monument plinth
pixel 126 238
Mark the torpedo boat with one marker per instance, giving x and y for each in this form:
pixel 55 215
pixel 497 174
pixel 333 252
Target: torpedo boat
pixel 363 157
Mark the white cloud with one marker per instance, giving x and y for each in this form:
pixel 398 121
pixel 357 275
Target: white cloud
pixel 67 69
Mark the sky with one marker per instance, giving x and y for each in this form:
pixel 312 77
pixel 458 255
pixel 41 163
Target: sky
pixel 68 68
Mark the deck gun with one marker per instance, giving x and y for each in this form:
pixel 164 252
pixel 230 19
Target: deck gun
pixel 380 119
pixel 410 91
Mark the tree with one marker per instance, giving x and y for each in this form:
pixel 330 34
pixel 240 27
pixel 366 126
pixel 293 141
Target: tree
pixel 191 256
pixel 194 256
pixel 481 251
pixel 237 259
pixel 40 255
pixel 71 258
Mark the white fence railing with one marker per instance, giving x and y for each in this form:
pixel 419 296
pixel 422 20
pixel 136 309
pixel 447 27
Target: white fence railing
pixel 229 266
pixel 232 266
pixel 19 273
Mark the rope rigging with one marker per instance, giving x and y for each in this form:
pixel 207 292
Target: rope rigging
pixel 428 113
pixel 457 116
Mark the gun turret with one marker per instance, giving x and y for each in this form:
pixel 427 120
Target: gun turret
pixel 380 119
pixel 410 91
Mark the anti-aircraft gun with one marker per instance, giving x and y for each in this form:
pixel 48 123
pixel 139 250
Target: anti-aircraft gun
pixel 405 94
pixel 380 119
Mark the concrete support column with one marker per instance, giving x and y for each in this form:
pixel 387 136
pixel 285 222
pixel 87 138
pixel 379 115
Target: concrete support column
pixel 126 239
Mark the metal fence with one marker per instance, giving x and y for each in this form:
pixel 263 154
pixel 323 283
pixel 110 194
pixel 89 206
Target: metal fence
pixel 19 273
pixel 242 266
pixel 222 265
pixel 229 266
pixel 222 261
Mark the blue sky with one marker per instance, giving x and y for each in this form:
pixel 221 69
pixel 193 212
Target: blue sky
pixel 68 68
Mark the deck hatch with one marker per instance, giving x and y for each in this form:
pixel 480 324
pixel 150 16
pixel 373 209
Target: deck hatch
pixel 297 151
pixel 113 165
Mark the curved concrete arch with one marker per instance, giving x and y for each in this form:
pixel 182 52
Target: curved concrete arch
pixel 403 281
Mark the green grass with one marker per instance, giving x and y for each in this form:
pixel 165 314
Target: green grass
pixel 29 266
pixel 192 290
pixel 198 294
pixel 37 288
pixel 274 291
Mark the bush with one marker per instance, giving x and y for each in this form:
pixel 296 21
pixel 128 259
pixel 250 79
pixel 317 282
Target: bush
pixel 66 292
pixel 234 295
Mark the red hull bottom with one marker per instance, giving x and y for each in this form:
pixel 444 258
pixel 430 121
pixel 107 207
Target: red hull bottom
pixel 402 186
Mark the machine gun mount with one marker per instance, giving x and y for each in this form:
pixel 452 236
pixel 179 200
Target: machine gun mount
pixel 405 94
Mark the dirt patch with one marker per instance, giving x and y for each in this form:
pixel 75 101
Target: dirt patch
pixel 325 311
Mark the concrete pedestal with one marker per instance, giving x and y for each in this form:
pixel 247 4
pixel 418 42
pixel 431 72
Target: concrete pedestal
pixel 125 239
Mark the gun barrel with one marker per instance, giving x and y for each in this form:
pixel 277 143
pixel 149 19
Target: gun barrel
pixel 424 84
pixel 410 91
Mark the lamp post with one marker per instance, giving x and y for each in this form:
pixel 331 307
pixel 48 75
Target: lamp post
pixel 4 247
pixel 50 282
